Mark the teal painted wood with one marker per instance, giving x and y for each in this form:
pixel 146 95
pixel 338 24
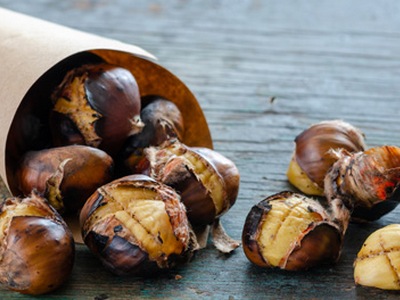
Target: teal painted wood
pixel 318 59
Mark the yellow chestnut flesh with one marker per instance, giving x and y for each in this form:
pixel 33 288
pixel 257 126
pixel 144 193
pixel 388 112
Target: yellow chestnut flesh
pixel 37 248
pixel 135 223
pixel 293 232
pixel 312 159
pixel 67 176
pixel 378 261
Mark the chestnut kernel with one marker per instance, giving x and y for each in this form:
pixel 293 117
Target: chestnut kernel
pixel 378 261
pixel 36 247
pixel 311 158
pixel 96 105
pixel 66 176
pixel 136 225
pixel 367 182
pixel 292 232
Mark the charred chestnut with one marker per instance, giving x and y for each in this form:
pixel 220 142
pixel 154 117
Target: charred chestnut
pixel 367 182
pixel 37 248
pixel 66 176
pixel 97 105
pixel 311 158
pixel 135 224
pixel 292 232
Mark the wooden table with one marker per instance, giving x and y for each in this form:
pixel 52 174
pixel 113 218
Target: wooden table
pixel 318 60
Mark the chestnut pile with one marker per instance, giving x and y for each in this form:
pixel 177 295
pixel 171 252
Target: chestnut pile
pixel 349 182
pixel 145 200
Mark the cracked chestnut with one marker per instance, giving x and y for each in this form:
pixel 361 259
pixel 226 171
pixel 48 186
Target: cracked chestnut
pixel 293 232
pixel 311 158
pixel 136 226
pixel 367 181
pixel 96 105
pixel 66 176
pixel 36 247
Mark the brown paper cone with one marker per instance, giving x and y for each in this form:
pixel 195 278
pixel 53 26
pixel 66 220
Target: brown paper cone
pixel 34 57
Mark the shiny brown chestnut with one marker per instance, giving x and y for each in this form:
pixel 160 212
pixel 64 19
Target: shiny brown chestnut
pixel 136 226
pixel 36 247
pixel 162 121
pixel 293 232
pixel 96 105
pixel 66 176
pixel 367 182
pixel 207 181
pixel 311 158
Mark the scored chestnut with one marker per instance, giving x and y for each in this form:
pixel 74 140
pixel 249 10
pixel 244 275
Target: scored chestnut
pixel 36 247
pixel 96 105
pixel 162 121
pixel 367 182
pixel 207 181
pixel 292 232
pixel 311 158
pixel 136 226
pixel 66 176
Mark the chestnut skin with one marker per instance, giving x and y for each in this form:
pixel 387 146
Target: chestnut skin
pixel 292 232
pixel 207 181
pixel 96 105
pixel 83 170
pixel 137 226
pixel 36 247
pixel 162 121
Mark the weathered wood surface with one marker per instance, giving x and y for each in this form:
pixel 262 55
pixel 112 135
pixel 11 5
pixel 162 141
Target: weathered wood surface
pixel 318 60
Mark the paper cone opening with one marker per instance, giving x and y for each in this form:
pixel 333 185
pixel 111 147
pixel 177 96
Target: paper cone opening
pixel 35 56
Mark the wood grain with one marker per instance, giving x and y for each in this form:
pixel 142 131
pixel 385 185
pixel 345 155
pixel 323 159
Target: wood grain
pixel 318 60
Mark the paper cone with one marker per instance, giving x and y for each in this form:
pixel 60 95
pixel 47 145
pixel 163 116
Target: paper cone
pixel 34 57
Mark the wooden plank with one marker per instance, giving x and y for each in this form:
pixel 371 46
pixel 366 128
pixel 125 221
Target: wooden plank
pixel 318 59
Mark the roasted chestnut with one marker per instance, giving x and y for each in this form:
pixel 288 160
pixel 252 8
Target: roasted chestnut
pixel 378 261
pixel 162 121
pixel 66 176
pixel 367 182
pixel 207 181
pixel 136 226
pixel 311 158
pixel 292 232
pixel 36 247
pixel 96 105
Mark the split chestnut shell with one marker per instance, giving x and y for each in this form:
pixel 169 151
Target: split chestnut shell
pixel 136 225
pixel 311 158
pixel 367 182
pixel 66 176
pixel 97 105
pixel 207 181
pixel 293 232
pixel 36 247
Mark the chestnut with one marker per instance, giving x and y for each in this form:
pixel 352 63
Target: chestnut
pixel 311 158
pixel 162 121
pixel 367 182
pixel 207 181
pixel 378 261
pixel 293 232
pixel 66 176
pixel 96 105
pixel 36 247
pixel 136 226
